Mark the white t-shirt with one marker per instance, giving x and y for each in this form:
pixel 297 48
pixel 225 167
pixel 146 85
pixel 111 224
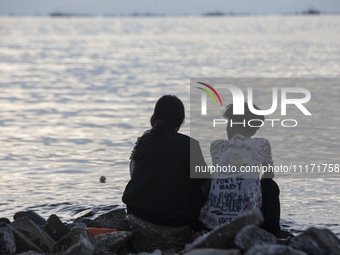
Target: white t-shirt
pixel 233 193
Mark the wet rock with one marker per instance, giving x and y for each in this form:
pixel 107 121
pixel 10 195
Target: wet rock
pixel 5 220
pixel 284 234
pixel 113 219
pixel 86 213
pixel 252 235
pixel 83 247
pixel 72 239
pixel 22 243
pixel 208 251
pixel 195 235
pixel 34 233
pixel 149 237
pixel 112 241
pixel 55 228
pixel 76 225
pixel 83 220
pixel 273 249
pixel 222 237
pixel 29 253
pixel 155 252
pixel 36 218
pixel 315 241
pixel 7 241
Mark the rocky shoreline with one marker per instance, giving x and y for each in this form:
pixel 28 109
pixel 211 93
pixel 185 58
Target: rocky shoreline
pixel 30 234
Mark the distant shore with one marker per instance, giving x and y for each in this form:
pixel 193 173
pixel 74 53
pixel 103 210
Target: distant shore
pixel 308 12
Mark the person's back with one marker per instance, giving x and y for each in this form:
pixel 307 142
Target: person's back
pixel 160 189
pixel 238 189
pixel 233 193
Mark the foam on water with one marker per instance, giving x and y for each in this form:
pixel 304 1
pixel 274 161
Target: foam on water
pixel 76 92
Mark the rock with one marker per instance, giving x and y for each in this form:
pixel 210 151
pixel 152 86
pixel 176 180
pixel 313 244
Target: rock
pixel 83 247
pixel 83 220
pixel 283 241
pixel 284 234
pixel 123 251
pixel 155 252
pixel 252 235
pixel 55 228
pixel 33 232
pixel 113 219
pixel 149 237
pixel 273 249
pixel 316 241
pixel 73 238
pixel 76 225
pixel 112 241
pixel 36 218
pixel 22 243
pixel 223 236
pixel 195 235
pixel 86 213
pixel 29 253
pixel 7 241
pixel 208 251
pixel 5 220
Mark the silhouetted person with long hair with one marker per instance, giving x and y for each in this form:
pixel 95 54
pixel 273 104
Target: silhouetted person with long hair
pixel 160 190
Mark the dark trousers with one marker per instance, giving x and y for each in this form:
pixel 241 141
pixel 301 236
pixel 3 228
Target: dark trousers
pixel 270 206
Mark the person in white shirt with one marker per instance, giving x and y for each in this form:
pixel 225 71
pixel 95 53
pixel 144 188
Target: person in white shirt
pixel 234 192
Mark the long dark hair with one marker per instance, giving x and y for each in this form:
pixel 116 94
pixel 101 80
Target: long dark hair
pixel 168 112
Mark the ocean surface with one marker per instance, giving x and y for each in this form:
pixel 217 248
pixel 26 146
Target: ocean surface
pixel 77 91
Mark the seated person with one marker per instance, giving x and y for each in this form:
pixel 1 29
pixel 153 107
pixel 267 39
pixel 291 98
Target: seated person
pixel 234 193
pixel 160 190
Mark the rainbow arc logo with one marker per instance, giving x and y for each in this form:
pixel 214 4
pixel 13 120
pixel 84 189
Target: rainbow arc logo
pixel 209 93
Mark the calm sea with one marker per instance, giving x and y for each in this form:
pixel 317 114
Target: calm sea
pixel 76 92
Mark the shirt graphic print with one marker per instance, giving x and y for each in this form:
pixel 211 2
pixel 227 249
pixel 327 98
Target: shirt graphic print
pixel 233 193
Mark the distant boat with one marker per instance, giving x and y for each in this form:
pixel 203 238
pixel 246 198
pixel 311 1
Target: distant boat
pixel 147 14
pixel 217 13
pixel 312 11
pixel 58 14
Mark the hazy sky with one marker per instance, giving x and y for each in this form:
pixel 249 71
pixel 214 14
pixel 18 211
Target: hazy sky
pixel 41 7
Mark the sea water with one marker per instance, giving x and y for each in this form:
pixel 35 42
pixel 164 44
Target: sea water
pixel 77 91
